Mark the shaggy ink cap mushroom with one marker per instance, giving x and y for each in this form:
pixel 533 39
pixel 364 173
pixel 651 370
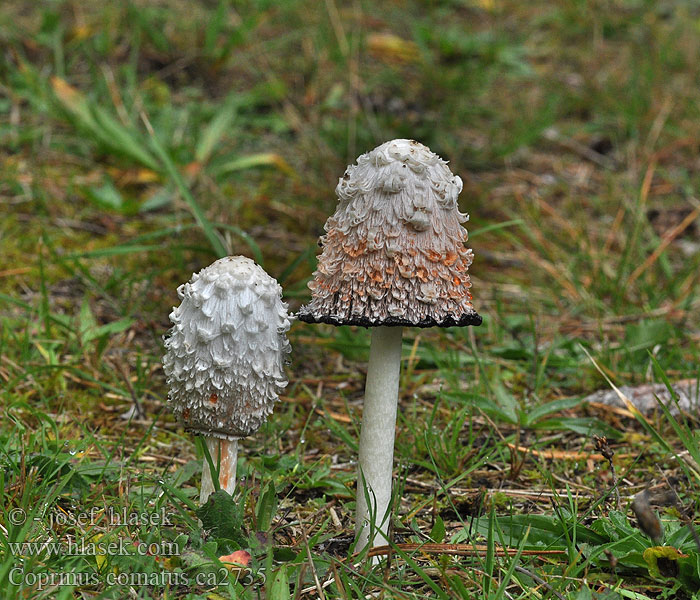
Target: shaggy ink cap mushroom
pixel 393 255
pixel 226 350
pixel 394 250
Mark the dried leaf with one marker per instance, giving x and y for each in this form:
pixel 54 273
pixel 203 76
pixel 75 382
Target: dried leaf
pixel 391 48
pixel 239 557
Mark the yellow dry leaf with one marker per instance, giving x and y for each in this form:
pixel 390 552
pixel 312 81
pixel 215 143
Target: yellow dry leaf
pixel 48 357
pixel 81 32
pixel 133 176
pixel 392 48
pixel 65 92
pixel 487 5
pixel 100 558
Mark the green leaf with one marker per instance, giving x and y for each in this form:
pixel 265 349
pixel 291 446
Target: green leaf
pixel 86 322
pixel 279 586
pixel 507 403
pixel 214 28
pixel 264 159
pixel 223 517
pixel 490 551
pixel 113 251
pixel 195 560
pixel 307 255
pixel 284 554
pixel 106 196
pixel 267 507
pixel 213 133
pixel 159 199
pixel 110 329
pixel 184 473
pixel 122 140
pixel 500 592
pixel 583 594
pixel 646 334
pixel 549 408
pixel 209 460
pixel 437 591
pixel 684 433
pixel 342 433
pixel 582 425
pixel 662 561
pixel 546 531
pixel 89 330
pixel 496 227
pixel 437 533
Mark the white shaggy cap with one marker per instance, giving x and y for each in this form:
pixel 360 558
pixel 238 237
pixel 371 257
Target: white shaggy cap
pixel 227 348
pixel 394 250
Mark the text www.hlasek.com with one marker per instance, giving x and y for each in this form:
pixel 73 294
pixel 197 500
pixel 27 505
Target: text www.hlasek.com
pixel 120 547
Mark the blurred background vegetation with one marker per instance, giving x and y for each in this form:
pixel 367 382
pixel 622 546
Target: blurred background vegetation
pixel 140 140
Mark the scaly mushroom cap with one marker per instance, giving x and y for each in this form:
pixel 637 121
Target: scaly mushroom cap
pixel 394 250
pixel 226 350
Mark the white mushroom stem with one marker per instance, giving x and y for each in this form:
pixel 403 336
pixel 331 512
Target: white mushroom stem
pixel 377 436
pixel 225 454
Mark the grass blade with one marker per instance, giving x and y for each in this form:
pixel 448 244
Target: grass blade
pixel 208 229
pixel 264 159
pixel 100 124
pixel 213 133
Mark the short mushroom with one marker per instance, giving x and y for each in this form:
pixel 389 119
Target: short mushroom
pixel 393 256
pixel 225 358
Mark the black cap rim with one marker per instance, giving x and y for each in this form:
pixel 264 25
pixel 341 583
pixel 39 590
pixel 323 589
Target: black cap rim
pixel 464 320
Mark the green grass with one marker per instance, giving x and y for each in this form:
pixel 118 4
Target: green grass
pixel 142 140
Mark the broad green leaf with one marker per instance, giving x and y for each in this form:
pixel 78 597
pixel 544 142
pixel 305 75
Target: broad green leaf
pixel 267 506
pixel 279 586
pixel 223 517
pixel 265 159
pixel 106 196
pixel 438 532
pixel 213 133
pixel 546 531
pixel 109 329
pixel 86 321
pixel 549 408
pixel 508 404
pixel 663 561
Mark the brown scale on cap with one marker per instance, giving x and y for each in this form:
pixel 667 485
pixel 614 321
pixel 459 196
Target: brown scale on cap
pixel 394 250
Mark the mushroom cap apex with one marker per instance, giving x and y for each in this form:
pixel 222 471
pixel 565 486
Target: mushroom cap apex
pixel 394 252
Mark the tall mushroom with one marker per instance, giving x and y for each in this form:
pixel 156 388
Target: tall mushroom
pixel 393 256
pixel 225 358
